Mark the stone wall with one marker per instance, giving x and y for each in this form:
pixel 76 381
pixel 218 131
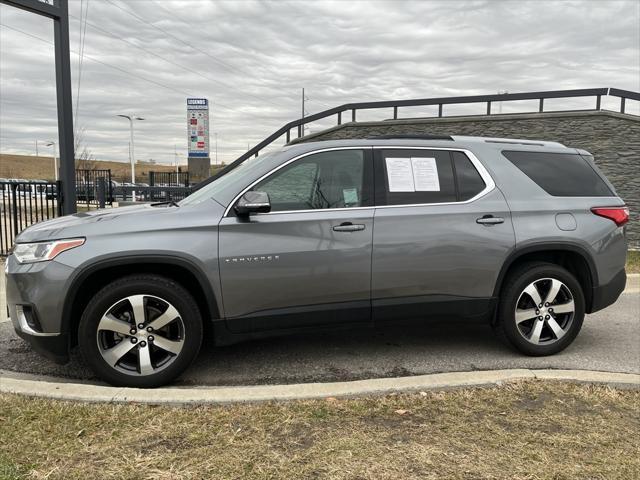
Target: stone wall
pixel 613 139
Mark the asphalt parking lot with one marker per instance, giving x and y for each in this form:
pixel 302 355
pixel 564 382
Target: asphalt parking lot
pixel 609 341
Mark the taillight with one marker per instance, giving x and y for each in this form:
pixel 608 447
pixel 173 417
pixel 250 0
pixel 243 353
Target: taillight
pixel 619 215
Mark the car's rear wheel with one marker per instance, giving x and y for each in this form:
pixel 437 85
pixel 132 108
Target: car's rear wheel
pixel 541 309
pixel 140 331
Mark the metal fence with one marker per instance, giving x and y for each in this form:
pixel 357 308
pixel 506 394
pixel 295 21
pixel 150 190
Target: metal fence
pixel 125 193
pixel 23 204
pixel 94 187
pixel 169 179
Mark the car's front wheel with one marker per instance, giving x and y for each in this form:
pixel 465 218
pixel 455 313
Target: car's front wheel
pixel 541 309
pixel 140 331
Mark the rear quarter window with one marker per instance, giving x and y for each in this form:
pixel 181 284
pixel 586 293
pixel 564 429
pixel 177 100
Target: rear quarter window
pixel 470 183
pixel 560 174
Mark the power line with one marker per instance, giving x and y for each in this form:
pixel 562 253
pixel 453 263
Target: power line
pixel 195 72
pixel 190 45
pixel 181 92
pixel 133 14
pixel 81 43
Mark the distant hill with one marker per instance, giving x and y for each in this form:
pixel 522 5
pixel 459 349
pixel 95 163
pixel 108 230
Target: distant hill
pixel 41 168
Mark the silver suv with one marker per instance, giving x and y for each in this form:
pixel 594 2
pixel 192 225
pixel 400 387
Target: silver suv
pixel 525 235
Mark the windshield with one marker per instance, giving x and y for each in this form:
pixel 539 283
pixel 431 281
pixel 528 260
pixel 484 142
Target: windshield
pixel 232 181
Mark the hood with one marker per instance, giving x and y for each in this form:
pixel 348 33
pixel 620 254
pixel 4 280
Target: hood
pixel 136 218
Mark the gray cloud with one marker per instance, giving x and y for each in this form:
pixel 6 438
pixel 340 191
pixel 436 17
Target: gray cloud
pixel 252 58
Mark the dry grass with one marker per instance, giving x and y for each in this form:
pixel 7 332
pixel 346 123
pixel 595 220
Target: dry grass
pixel 633 261
pixel 527 430
pixel 41 168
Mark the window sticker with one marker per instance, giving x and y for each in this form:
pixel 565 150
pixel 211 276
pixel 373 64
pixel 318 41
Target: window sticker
pixel 350 196
pixel 425 174
pixel 415 174
pixel 400 175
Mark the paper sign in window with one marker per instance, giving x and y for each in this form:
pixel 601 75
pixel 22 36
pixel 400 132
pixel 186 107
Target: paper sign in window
pixel 415 174
pixel 400 175
pixel 350 196
pixel 425 174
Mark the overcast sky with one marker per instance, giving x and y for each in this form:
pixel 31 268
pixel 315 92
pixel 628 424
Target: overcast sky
pixel 251 59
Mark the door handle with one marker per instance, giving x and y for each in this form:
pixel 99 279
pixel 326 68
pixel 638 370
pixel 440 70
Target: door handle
pixel 348 227
pixel 489 220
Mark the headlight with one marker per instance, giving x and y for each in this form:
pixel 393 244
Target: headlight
pixel 44 251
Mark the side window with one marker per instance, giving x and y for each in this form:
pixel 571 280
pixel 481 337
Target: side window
pixel 470 182
pixel 335 179
pixel 560 174
pixel 414 177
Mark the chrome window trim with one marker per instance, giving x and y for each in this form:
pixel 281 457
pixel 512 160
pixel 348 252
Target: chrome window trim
pixel 484 174
pixel 242 192
pixel 490 185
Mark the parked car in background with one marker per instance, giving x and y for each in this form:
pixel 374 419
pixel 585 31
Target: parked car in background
pixel 527 236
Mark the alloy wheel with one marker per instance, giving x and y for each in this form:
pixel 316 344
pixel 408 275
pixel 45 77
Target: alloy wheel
pixel 140 335
pixel 544 311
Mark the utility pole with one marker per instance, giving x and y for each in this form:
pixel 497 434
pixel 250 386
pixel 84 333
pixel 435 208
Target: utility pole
pixel 37 148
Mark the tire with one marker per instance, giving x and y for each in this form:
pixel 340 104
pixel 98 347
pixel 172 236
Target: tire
pixel 125 355
pixel 561 320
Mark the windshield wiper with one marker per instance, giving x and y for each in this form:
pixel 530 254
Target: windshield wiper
pixel 169 203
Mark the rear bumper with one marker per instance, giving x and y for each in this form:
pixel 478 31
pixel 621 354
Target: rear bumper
pixel 605 295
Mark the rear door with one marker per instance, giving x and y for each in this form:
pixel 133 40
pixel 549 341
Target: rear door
pixel 442 232
pixel 308 262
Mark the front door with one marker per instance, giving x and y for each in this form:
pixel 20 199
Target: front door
pixel 308 261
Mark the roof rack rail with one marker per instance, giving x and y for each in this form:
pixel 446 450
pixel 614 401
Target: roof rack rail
pixel 517 141
pixel 416 136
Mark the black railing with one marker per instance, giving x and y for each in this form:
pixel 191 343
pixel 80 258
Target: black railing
pixel 149 194
pixel 94 187
pixel 23 204
pixel 352 108
pixel 169 179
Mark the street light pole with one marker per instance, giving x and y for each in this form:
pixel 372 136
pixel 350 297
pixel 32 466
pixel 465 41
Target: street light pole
pixel 132 156
pixel 55 160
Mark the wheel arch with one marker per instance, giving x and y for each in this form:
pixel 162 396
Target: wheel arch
pixel 574 258
pixel 94 276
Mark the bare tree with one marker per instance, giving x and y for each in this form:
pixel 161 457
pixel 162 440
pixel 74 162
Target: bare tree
pixel 84 157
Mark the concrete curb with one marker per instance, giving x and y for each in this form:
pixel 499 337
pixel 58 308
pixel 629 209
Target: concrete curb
pixel 633 283
pixel 12 383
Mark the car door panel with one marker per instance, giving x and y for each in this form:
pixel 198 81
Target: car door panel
pixel 437 259
pixel 288 269
pixel 295 261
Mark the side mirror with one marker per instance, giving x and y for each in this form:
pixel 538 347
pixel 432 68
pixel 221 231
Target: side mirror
pixel 253 202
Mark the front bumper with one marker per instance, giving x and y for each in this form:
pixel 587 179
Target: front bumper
pixel 607 294
pixel 39 289
pixel 55 347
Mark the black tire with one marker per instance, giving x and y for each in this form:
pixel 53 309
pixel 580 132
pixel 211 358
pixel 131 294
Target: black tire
pixel 157 288
pixel 514 285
